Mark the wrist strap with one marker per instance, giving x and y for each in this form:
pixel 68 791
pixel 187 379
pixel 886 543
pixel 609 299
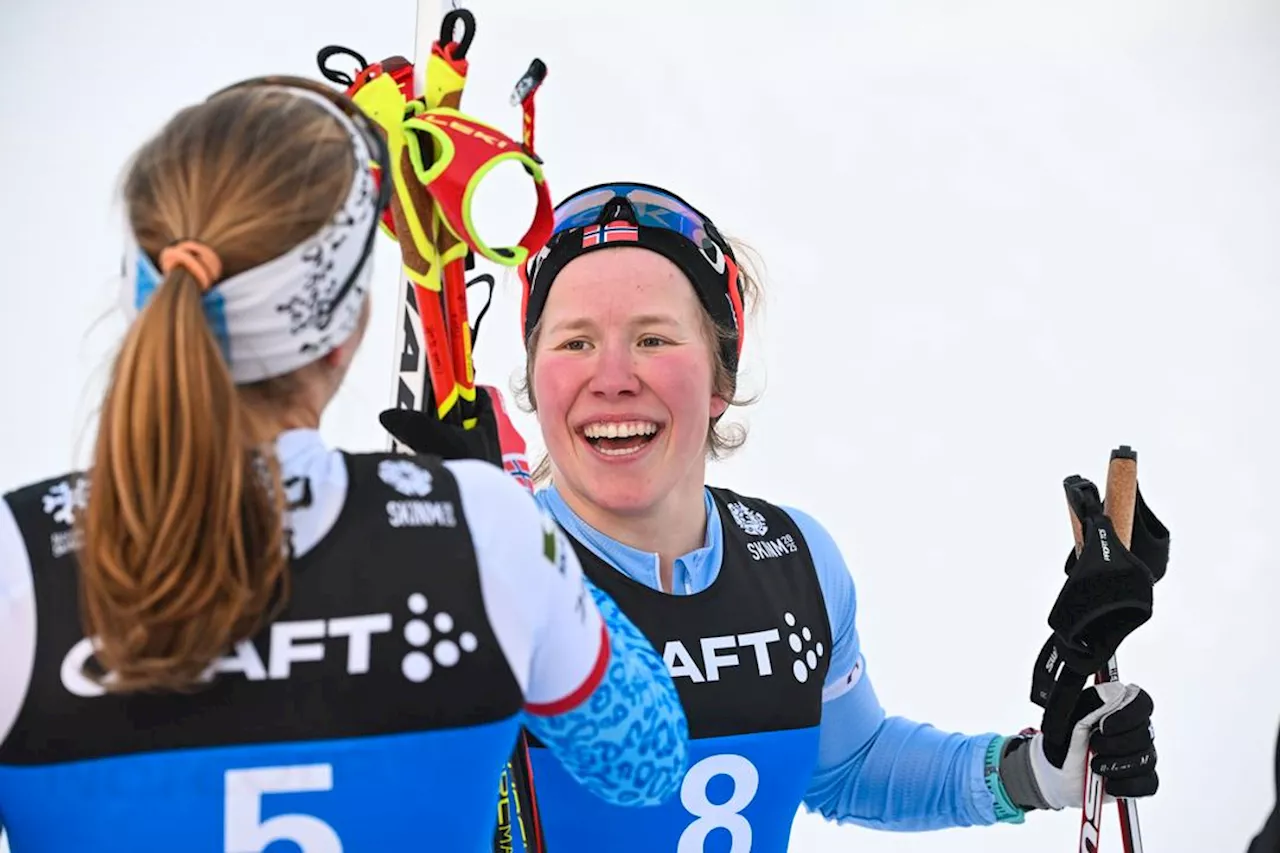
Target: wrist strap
pixel 1006 810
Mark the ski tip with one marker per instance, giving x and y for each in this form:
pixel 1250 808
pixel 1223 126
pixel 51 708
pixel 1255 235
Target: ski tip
pixel 1124 451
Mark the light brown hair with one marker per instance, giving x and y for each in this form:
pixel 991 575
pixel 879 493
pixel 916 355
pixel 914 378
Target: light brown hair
pixel 183 548
pixel 722 439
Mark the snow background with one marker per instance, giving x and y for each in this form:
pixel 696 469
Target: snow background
pixel 1000 237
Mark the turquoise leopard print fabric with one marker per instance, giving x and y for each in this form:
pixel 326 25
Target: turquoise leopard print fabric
pixel 628 743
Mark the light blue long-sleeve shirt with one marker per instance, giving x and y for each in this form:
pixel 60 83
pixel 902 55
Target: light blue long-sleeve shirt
pixel 873 770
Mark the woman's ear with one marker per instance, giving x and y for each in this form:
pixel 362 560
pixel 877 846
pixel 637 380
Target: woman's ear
pixel 340 357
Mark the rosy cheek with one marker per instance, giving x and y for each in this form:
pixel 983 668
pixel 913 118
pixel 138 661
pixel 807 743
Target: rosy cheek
pixel 683 379
pixel 554 380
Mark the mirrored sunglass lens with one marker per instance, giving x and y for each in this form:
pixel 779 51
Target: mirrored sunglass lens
pixel 654 209
pixel 662 201
pixel 569 213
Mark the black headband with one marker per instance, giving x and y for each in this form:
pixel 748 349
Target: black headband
pixel 711 268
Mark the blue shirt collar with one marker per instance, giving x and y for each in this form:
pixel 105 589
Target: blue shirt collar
pixel 693 572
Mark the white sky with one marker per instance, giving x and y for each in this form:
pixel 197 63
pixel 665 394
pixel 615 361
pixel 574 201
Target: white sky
pixel 1000 238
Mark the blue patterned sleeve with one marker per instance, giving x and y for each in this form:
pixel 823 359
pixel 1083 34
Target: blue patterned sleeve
pixel 628 741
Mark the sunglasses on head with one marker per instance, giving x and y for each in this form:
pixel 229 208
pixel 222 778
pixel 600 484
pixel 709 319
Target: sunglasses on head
pixel 618 214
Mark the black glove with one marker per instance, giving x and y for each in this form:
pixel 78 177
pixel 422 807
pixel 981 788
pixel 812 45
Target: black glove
pixel 1107 595
pixel 1149 541
pixel 1112 719
pixel 424 432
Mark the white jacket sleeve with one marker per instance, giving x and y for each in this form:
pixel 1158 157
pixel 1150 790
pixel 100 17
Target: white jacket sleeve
pixel 598 694
pixel 545 620
pixel 17 620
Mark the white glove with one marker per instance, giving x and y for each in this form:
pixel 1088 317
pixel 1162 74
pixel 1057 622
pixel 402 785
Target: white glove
pixel 1113 718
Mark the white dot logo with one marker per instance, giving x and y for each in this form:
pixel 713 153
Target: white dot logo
pixel 405 477
pixel 446 651
pixel 806 660
pixel 66 498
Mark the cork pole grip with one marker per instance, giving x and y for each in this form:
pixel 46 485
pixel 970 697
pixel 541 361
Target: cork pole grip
pixel 1122 492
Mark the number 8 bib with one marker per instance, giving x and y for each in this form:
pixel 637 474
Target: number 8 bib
pixel 726 815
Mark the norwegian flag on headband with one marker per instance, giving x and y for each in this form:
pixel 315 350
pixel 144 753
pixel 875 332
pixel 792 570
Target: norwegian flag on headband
pixel 614 232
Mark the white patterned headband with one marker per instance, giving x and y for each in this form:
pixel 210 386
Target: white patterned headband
pixel 274 318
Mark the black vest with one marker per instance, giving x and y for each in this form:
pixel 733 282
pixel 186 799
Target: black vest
pixel 750 653
pixel 377 599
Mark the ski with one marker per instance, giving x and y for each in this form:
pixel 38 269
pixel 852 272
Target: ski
pixel 516 820
pixel 410 390
pixel 433 367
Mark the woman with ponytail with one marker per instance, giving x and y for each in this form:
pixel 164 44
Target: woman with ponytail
pixel 224 634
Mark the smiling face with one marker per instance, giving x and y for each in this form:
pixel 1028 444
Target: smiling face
pixel 622 374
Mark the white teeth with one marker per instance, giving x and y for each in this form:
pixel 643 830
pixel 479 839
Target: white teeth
pixel 620 430
pixel 626 451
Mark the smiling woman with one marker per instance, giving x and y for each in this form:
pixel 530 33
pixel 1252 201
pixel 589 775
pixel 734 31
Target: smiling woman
pixel 618 323
pixel 633 321
pixel 676 319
